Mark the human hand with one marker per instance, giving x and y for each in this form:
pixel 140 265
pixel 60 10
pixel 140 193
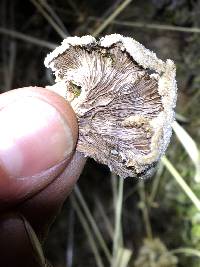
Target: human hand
pixel 38 169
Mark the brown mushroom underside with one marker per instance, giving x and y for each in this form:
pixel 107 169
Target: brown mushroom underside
pixel 115 99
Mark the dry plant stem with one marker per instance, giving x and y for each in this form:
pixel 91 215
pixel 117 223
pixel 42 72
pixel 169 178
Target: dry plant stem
pixel 123 257
pixel 156 183
pixel 124 113
pixel 56 18
pixel 114 186
pixel 107 13
pixel 117 241
pixel 92 222
pixel 153 26
pixel 8 55
pixel 181 182
pixel 190 147
pixel 181 118
pixel 3 11
pixel 11 65
pixel 186 251
pixel 111 9
pixel 106 219
pixel 70 239
pixel 111 17
pixel 60 32
pixel 145 212
pixel 131 192
pixel 35 243
pixel 27 38
pixel 75 7
pixel 87 230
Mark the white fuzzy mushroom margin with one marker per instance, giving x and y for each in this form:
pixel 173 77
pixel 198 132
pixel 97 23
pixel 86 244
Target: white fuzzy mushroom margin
pixel 167 87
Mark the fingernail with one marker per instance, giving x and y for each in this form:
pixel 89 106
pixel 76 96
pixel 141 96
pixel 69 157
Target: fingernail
pixel 34 136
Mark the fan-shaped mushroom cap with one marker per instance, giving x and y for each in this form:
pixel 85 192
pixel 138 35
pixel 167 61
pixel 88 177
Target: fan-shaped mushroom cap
pixel 123 96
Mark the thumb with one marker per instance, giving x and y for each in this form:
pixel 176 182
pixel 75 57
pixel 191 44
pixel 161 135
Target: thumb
pixel 38 134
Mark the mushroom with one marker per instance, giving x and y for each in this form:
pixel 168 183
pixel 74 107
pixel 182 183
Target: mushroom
pixel 123 97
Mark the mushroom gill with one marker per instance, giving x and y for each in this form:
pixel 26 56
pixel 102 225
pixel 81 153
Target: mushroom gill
pixel 124 113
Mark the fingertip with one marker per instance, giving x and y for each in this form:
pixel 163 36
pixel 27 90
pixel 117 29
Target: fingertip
pixel 39 129
pixel 46 95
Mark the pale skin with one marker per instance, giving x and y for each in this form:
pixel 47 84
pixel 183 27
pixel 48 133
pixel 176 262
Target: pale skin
pixel 38 169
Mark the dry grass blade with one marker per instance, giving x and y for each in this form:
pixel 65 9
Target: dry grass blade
pixel 8 47
pixel 144 209
pixel 123 257
pixel 11 65
pixel 88 231
pixel 181 182
pixel 117 240
pixel 107 13
pixel 114 188
pixel 69 254
pixel 153 26
pixel 186 251
pixel 190 147
pixel 60 32
pixel 27 38
pixel 104 216
pixel 56 18
pixel 110 10
pixel 181 118
pixel 92 222
pixel 155 185
pixel 111 17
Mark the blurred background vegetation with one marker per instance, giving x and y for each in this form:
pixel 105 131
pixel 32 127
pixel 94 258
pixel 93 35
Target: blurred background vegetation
pixel 109 221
